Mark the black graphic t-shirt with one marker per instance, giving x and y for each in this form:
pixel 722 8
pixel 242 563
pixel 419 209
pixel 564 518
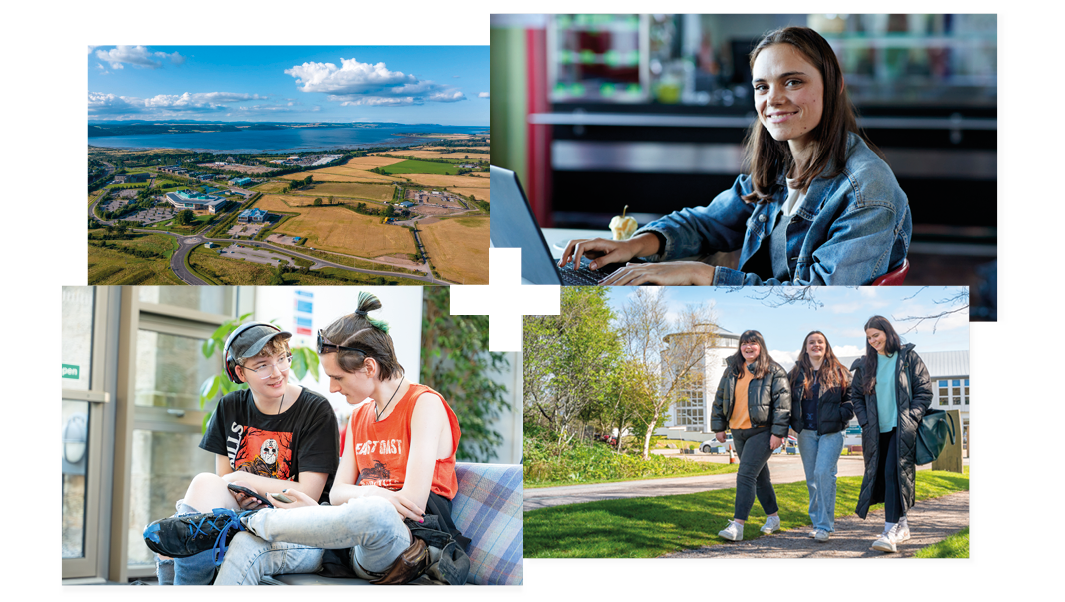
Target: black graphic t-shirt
pixel 303 438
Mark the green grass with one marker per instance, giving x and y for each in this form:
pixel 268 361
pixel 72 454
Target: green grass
pixel 955 546
pixel 651 527
pixel 416 166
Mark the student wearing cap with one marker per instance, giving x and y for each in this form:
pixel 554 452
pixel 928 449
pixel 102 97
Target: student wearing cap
pixel 272 436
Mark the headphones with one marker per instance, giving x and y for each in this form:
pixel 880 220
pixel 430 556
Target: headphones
pixel 230 361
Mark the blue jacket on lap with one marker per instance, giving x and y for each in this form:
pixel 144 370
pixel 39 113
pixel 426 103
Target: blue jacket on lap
pixel 849 230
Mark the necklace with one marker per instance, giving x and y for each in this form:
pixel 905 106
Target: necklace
pixel 389 401
pixel 282 404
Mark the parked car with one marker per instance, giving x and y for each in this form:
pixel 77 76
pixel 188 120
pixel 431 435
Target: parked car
pixel 724 447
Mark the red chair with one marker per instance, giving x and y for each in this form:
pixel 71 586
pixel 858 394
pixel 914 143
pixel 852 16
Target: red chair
pixel 894 277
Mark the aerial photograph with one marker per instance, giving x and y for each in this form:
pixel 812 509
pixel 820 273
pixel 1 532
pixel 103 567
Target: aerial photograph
pixel 288 165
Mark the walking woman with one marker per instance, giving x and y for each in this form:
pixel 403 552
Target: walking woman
pixel 753 401
pixel 819 206
pixel 820 409
pixel 891 391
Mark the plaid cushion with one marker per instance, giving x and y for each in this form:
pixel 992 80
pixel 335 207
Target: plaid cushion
pixel 487 508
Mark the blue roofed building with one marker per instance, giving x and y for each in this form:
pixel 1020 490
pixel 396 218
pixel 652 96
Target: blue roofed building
pixel 255 215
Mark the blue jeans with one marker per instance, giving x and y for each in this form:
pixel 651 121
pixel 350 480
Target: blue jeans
pixel 291 541
pixel 820 455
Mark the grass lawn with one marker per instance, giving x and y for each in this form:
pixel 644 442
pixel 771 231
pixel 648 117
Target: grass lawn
pixel 111 266
pixel 955 546
pixel 415 166
pixel 650 527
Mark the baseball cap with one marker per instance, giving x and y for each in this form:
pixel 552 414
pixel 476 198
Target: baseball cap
pixel 250 342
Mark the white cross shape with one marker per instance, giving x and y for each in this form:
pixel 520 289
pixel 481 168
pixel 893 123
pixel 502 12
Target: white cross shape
pixel 505 299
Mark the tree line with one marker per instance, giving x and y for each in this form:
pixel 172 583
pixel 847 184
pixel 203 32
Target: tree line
pixel 594 368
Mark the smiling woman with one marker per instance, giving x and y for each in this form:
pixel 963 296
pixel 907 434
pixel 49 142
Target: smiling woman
pixel 819 206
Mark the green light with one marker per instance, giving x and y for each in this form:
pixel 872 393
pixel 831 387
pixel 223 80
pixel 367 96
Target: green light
pixel 607 90
pixel 587 57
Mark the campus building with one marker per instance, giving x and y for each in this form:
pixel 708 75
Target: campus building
pixel 255 216
pixel 132 178
pixel 197 201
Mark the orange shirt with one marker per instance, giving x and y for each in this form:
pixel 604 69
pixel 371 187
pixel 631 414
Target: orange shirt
pixel 382 448
pixel 741 411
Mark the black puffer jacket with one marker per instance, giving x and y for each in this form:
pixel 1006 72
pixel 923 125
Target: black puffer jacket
pixel 834 408
pixel 768 401
pixel 913 394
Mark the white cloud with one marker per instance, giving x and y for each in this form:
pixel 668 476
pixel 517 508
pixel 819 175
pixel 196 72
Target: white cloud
pixel 163 105
pixel 484 95
pixel 366 84
pixel 137 55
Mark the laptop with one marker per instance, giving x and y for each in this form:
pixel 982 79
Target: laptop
pixel 513 225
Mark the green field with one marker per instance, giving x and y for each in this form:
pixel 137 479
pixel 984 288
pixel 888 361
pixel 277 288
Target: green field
pixel 415 166
pixel 112 266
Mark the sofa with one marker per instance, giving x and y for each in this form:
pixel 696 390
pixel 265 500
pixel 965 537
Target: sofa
pixel 488 509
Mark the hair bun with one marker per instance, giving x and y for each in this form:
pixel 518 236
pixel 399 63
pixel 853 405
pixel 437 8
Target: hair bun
pixel 369 302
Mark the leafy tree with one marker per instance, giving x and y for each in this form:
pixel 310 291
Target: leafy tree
pixel 185 217
pixel 318 202
pixel 457 363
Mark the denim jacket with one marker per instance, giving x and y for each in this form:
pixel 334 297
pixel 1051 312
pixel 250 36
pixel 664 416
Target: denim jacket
pixel 849 230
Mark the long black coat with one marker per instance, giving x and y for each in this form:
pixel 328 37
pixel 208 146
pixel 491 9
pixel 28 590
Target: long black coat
pixel 834 408
pixel 913 394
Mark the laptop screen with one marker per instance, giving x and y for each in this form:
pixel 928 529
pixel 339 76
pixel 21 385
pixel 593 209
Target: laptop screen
pixel 514 226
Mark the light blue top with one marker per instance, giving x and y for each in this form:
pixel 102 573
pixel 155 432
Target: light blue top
pixel 848 230
pixel 887 410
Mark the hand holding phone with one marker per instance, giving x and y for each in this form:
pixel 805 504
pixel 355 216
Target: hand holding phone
pixel 281 497
pixel 250 493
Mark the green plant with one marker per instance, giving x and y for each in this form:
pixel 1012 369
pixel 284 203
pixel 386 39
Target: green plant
pixel 304 361
pixel 457 364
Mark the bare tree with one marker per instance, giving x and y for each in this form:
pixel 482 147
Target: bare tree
pixel 672 349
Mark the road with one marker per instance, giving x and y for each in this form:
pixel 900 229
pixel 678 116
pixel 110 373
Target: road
pixel 187 243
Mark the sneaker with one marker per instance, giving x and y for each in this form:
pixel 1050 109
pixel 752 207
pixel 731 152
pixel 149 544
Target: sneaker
pixel 733 532
pixel 821 535
pixel 772 523
pixel 189 534
pixel 903 532
pixel 813 534
pixel 888 540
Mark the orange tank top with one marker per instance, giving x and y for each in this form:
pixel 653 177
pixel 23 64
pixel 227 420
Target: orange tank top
pixel 382 448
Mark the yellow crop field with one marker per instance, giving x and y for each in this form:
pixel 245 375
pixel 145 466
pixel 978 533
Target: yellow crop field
pixel 373 192
pixel 336 175
pixel 482 194
pixel 370 162
pixel 442 180
pixel 417 154
pixel 458 248
pixel 343 231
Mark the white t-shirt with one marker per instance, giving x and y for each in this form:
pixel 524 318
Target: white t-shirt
pixel 794 200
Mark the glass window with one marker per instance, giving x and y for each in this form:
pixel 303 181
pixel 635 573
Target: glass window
pixel 944 393
pixel 75 430
pixel 164 464
pixel 209 299
pixel 170 370
pixel 77 337
pixel 955 383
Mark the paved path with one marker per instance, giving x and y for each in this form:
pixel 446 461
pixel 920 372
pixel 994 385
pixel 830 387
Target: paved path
pixel 783 469
pixel 930 521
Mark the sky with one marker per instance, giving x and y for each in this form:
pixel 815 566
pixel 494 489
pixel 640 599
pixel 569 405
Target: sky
pixel 841 316
pixel 446 85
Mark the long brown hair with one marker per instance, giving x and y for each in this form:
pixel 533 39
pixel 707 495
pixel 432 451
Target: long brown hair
pixel 761 364
pixel 832 372
pixel 891 345
pixel 769 159
pixel 368 335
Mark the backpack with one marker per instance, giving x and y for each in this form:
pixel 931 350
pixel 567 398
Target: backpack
pixel 932 435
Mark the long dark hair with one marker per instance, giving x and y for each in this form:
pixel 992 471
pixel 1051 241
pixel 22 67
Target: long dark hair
pixel 832 372
pixel 369 335
pixel 767 158
pixel 891 345
pixel 761 365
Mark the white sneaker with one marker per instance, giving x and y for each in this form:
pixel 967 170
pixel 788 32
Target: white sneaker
pixel 903 531
pixel 821 535
pixel 772 523
pixel 733 532
pixel 888 541
pixel 813 534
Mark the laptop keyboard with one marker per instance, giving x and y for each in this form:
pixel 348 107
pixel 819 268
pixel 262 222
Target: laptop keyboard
pixel 582 276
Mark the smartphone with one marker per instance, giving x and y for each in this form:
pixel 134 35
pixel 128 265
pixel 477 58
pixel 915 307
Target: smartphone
pixel 251 493
pixel 280 497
